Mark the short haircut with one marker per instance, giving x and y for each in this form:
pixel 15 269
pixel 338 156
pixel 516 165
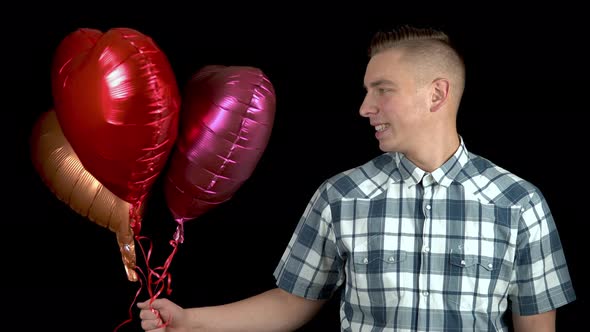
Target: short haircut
pixel 429 48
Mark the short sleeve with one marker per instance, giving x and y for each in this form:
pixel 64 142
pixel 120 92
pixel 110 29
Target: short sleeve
pixel 541 280
pixel 310 266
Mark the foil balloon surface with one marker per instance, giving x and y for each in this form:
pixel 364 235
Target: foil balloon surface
pixel 226 121
pixel 117 101
pixel 61 170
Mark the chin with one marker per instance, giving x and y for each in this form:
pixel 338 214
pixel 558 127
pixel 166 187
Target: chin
pixel 386 148
pixel 383 146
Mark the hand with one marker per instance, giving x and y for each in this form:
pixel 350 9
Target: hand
pixel 162 315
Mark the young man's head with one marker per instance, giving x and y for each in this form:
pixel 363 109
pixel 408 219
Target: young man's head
pixel 414 81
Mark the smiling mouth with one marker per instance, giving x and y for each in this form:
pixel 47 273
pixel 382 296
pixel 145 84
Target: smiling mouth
pixel 381 127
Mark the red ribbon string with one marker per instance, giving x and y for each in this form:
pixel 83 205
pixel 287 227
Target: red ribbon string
pixel 157 280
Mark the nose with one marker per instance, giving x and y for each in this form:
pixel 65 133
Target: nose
pixel 367 107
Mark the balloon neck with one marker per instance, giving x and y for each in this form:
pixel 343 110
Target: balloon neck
pixel 135 218
pixel 179 233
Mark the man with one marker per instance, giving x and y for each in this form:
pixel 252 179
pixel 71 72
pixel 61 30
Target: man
pixel 425 237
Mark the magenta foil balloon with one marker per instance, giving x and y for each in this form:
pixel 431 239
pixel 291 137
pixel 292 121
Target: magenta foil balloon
pixel 227 116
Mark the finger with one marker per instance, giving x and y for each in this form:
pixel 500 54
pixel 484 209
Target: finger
pixel 154 304
pixel 144 304
pixel 148 314
pixel 153 325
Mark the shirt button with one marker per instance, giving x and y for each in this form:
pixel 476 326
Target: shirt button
pixel 490 265
pixel 425 293
pixel 462 262
pixel 366 260
pixel 428 207
pixel 391 259
pixel 426 249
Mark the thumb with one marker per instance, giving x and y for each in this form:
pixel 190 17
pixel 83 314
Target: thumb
pixel 143 305
pixel 155 304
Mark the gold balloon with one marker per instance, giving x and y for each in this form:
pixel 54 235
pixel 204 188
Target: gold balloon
pixel 61 170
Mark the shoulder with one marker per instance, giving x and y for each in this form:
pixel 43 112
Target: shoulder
pixel 361 181
pixel 496 184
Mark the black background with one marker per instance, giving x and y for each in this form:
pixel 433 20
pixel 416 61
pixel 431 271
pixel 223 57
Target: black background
pixel 524 109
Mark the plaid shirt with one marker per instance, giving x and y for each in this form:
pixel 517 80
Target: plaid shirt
pixel 443 251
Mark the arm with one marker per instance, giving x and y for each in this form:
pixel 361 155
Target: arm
pixel 544 322
pixel 274 310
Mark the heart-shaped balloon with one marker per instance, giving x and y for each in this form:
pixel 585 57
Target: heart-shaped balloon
pixel 61 170
pixel 117 101
pixel 227 117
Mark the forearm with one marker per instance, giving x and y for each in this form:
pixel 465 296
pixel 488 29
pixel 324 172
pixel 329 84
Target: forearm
pixel 274 310
pixel 544 322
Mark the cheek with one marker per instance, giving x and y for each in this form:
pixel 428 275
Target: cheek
pixel 392 107
pixel 421 101
pixel 399 110
pixel 415 108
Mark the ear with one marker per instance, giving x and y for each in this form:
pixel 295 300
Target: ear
pixel 439 93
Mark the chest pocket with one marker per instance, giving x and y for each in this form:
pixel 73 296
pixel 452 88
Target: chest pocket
pixel 376 276
pixel 471 281
pixel 476 270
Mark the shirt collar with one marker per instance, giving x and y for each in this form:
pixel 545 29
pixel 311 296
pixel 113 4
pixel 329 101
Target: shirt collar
pixel 409 172
pixel 444 175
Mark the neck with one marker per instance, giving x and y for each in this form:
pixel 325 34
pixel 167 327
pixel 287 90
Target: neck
pixel 432 153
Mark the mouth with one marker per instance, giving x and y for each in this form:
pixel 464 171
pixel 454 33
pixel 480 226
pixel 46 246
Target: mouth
pixel 381 127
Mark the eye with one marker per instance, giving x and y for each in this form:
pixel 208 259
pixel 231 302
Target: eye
pixel 382 91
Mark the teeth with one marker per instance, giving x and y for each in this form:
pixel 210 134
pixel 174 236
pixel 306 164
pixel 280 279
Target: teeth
pixel 381 127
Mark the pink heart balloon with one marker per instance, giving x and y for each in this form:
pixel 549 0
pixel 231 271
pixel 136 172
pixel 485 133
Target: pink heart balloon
pixel 226 121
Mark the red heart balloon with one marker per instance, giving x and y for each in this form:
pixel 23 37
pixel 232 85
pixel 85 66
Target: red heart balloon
pixel 117 101
pixel 227 117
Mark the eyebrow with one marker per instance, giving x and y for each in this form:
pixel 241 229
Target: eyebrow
pixel 380 82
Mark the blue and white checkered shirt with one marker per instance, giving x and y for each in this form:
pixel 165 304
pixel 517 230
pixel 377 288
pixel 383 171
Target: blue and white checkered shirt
pixel 443 251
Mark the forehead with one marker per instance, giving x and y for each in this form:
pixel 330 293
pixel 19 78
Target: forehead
pixel 387 65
